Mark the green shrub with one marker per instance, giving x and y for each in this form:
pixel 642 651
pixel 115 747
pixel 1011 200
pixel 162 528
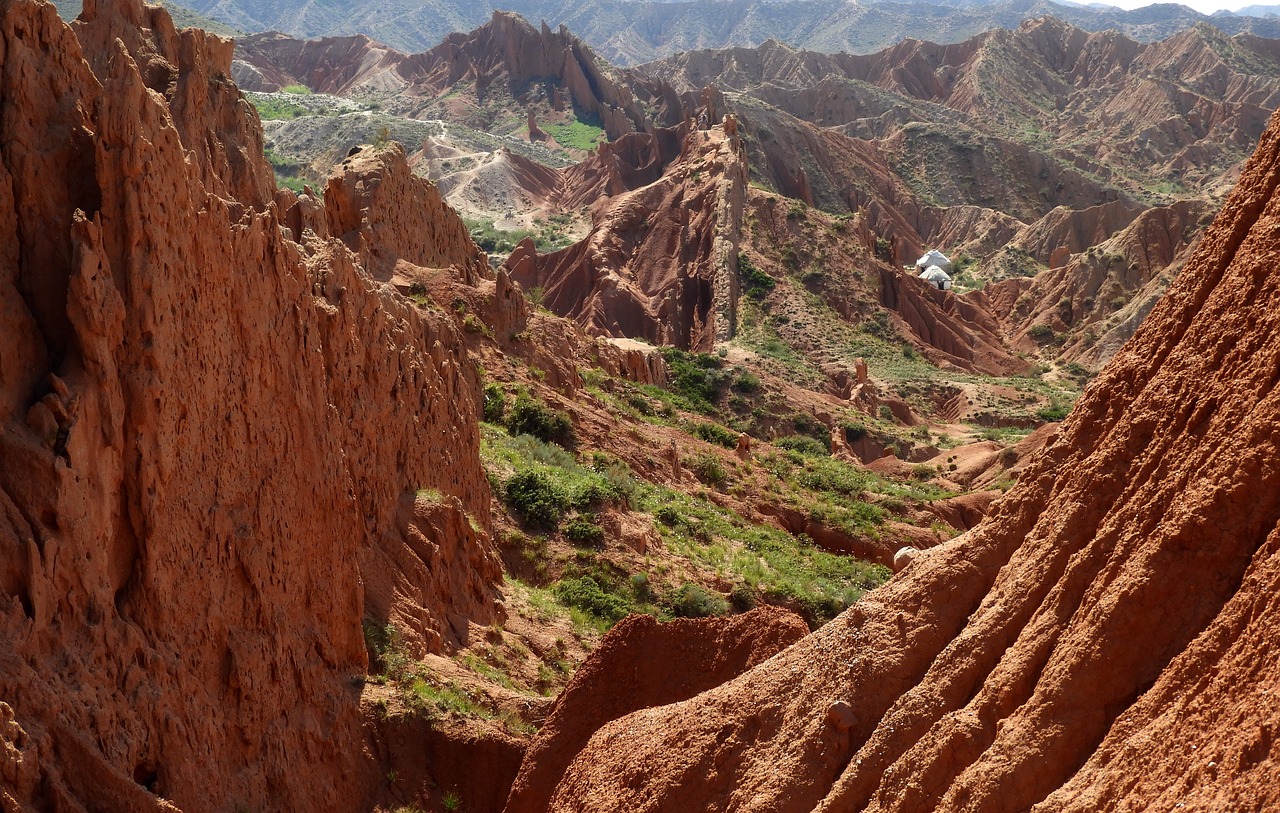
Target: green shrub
pixel 640 588
pixel 714 433
pixel 756 284
pixel 832 476
pixel 297 90
pixel 386 648
pixel 535 499
pixel 805 445
pixel 587 595
pixel 707 468
pixel 529 416
pixel 494 403
pixel 747 382
pixel 696 379
pixel 693 601
pixel 1055 411
pixel 583 531
pixel 853 432
pixel 1040 332
pixel 668 515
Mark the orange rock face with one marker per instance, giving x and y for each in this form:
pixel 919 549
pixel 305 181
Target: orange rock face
pixel 639 664
pixel 210 438
pixel 1105 640
pixel 660 263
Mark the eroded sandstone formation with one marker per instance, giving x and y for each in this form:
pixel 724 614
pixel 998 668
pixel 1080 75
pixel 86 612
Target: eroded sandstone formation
pixel 1106 640
pixel 642 663
pixel 209 433
pixel 661 261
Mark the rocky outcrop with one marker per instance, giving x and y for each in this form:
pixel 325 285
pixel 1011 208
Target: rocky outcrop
pixel 211 438
pixel 385 215
pixel 1019 121
pixel 505 53
pixel 660 262
pixel 1101 642
pixel 1093 301
pixel 643 663
pixel 953 329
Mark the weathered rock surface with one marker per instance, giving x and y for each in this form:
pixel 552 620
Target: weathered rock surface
pixel 208 433
pixel 661 262
pixel 386 215
pixel 1106 640
pixel 642 663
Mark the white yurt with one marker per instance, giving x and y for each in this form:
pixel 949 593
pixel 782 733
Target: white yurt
pixel 934 257
pixel 936 277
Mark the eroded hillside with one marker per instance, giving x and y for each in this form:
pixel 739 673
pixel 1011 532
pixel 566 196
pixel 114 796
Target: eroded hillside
pixel 1104 641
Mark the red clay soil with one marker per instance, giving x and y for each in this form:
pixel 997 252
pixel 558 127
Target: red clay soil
pixel 642 663
pixel 1107 640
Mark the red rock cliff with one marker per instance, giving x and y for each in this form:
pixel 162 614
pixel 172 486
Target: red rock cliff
pixel 210 437
pixel 1107 640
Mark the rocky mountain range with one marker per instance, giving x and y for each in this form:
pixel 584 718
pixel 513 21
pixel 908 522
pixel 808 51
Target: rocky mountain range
pixel 634 32
pixel 708 503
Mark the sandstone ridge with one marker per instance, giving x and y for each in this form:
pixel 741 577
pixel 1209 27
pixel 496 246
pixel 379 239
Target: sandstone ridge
pixel 215 427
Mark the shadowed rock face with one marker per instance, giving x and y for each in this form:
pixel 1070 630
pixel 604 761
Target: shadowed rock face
pixel 209 436
pixel 1105 640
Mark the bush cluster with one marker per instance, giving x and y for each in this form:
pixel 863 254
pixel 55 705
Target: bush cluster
pixel 803 444
pixel 529 416
pixel 697 379
pixel 714 433
pixel 535 498
pixel 584 531
pixel 694 601
pixel 756 284
pixel 494 403
pixel 587 595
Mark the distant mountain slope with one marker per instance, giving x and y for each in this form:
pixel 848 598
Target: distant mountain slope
pixel 1071 111
pixel 634 32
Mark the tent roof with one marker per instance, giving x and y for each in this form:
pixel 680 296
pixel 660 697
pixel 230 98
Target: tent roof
pixel 933 257
pixel 933 274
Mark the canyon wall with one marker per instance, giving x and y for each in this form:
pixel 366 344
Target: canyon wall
pixel 1104 641
pixel 210 437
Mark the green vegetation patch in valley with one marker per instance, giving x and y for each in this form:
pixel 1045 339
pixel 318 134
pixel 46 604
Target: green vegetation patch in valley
pixel 577 134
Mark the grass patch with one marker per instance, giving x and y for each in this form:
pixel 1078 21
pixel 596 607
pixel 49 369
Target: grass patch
pixel 448 698
pixel 578 134
pixel 761 560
